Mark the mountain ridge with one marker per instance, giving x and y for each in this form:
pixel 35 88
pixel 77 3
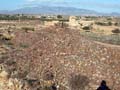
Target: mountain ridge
pixel 57 10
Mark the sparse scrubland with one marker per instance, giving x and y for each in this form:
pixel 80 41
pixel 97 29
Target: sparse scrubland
pixel 38 57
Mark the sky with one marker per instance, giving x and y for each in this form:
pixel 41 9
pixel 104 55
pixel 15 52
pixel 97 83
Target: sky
pixel 105 6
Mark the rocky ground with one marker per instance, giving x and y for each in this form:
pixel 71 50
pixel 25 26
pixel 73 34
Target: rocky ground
pixel 61 57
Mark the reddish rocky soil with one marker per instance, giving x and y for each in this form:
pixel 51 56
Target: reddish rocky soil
pixel 65 57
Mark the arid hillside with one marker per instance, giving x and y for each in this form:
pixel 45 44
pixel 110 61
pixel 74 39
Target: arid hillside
pixel 64 57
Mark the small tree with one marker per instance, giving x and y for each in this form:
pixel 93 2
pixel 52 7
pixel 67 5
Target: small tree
pixel 59 16
pixel 109 23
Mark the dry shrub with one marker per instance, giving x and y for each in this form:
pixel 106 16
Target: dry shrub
pixel 28 29
pixel 116 31
pixel 48 75
pixel 61 24
pixel 78 82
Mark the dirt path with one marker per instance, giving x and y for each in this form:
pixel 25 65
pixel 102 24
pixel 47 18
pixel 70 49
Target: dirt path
pixel 107 45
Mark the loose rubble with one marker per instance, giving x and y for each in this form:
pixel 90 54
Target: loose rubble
pixel 62 56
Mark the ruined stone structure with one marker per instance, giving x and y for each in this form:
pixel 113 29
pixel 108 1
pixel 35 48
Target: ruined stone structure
pixel 50 23
pixel 73 21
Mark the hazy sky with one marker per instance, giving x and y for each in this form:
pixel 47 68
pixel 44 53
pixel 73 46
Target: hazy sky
pixel 97 5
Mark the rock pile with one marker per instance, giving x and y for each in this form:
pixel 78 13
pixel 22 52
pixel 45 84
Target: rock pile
pixel 64 57
pixel 7 83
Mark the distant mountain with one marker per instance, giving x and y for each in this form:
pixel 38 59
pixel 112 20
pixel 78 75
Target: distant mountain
pixel 115 14
pixel 56 10
pixel 4 12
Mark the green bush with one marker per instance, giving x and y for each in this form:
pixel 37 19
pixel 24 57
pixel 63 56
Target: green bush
pixel 109 23
pixel 59 16
pixel 86 28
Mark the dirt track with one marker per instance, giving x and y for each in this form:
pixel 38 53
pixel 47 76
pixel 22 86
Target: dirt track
pixel 107 45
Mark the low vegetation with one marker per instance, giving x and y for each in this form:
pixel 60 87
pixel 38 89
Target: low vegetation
pixel 27 29
pixel 87 28
pixel 16 17
pixel 104 23
pixel 116 31
pixel 110 39
pixel 23 45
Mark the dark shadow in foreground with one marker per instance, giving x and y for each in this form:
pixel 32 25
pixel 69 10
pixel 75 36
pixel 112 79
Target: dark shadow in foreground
pixel 103 86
